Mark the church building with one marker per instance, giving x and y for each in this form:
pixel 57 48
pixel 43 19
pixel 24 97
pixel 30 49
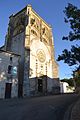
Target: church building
pixel 30 37
pixel 8 74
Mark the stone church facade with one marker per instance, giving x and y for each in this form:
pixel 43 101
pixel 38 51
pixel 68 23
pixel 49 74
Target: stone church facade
pixel 8 74
pixel 31 37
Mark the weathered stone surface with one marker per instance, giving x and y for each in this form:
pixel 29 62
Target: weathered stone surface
pixel 31 37
pixel 5 77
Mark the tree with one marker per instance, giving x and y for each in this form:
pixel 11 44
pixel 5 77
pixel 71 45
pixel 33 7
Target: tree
pixel 76 76
pixel 72 57
pixel 69 81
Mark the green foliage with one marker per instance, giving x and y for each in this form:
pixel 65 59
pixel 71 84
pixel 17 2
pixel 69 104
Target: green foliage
pixel 76 76
pixel 73 18
pixel 69 81
pixel 77 82
pixel 72 57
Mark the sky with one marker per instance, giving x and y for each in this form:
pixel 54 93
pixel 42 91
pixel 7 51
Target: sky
pixel 52 12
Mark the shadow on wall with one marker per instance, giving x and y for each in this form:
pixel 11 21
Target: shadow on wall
pixel 8 88
pixel 44 85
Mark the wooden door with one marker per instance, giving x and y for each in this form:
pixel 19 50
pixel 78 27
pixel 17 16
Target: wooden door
pixel 40 85
pixel 8 90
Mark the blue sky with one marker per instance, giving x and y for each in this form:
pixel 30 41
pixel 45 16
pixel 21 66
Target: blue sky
pixel 52 12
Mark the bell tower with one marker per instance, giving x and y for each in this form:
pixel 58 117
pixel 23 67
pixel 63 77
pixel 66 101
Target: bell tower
pixel 31 37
